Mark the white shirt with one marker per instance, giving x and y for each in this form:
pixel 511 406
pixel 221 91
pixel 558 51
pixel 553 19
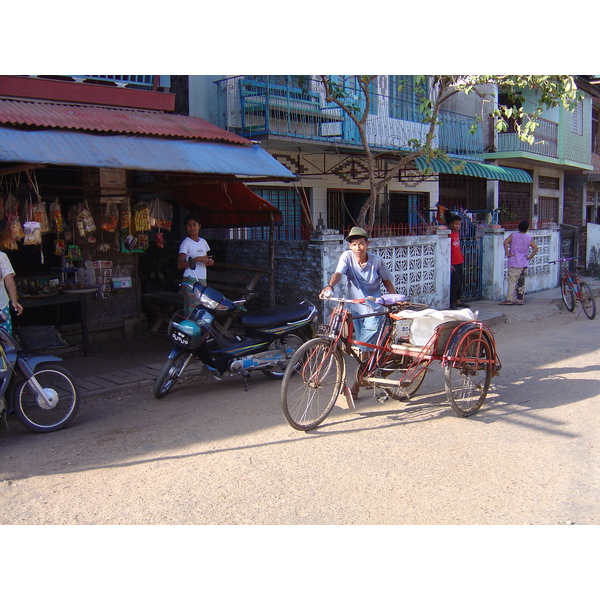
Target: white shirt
pixel 5 269
pixel 192 249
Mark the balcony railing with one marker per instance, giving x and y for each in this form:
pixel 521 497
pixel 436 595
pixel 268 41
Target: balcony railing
pixel 455 136
pixel 295 107
pixel 545 144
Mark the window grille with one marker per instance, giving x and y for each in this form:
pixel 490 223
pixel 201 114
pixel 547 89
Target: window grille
pixel 549 183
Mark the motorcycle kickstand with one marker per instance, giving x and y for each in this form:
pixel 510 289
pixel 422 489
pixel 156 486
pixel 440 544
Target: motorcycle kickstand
pixel 246 376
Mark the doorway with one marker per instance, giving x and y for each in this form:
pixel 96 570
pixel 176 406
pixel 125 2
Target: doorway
pixel 343 208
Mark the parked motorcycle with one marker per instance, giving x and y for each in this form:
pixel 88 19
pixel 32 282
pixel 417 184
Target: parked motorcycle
pixel 229 340
pixel 44 397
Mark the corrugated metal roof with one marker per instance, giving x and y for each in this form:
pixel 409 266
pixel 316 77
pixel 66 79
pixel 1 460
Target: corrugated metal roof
pixel 53 147
pixel 473 169
pixel 98 119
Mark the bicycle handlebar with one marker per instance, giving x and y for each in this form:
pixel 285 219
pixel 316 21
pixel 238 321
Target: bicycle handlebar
pixel 551 262
pixel 348 300
pixel 404 305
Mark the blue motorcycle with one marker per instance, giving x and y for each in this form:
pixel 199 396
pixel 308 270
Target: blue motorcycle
pixel 228 340
pixel 44 397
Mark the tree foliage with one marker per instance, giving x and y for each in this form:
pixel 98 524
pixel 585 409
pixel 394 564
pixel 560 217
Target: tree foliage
pixel 543 92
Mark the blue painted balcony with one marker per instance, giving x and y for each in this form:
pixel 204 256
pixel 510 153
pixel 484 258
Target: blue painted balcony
pixel 295 107
pixel 546 141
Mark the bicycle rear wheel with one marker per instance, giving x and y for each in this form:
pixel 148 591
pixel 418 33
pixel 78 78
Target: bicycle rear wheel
pixel 587 300
pixel 311 384
pixel 468 374
pixel 568 295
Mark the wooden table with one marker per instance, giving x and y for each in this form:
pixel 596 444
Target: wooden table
pixel 163 305
pixel 80 298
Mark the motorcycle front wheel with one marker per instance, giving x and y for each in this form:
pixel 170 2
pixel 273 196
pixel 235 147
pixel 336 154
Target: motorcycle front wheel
pixel 170 373
pixel 63 400
pixel 293 342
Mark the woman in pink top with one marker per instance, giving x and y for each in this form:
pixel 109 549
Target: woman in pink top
pixel 517 249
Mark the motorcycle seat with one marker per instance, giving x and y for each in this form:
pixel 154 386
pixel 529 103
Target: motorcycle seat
pixel 277 316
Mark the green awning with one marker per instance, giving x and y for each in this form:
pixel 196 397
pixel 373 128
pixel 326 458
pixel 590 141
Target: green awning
pixel 472 169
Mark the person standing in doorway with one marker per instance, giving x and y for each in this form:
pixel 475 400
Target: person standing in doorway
pixel 456 265
pixel 193 260
pixel 519 249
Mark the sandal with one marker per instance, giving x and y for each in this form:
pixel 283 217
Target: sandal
pixel 519 303
pixel 507 303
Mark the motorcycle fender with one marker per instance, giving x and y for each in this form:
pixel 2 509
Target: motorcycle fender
pixel 33 360
pixel 177 351
pixel 457 336
pixel 460 333
pixel 25 366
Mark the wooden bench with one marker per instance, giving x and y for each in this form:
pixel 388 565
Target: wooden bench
pixel 234 280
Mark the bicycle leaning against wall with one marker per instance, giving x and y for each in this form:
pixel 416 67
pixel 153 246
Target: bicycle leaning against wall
pixel 315 376
pixel 573 290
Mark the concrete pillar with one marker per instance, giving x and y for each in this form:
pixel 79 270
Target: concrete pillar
pixel 493 260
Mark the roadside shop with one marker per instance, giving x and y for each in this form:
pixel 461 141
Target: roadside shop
pixel 92 202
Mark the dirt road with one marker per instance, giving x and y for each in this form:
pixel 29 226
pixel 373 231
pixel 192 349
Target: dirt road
pixel 210 453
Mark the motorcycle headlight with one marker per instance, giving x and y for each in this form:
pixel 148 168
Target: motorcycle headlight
pixel 210 298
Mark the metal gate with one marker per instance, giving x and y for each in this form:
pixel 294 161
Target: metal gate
pixel 471 243
pixel 569 242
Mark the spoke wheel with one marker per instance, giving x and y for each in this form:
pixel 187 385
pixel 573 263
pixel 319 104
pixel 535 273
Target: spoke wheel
pixel 63 400
pixel 588 303
pixel 394 370
pixel 568 295
pixel 170 374
pixel 292 343
pixel 311 384
pixel 468 375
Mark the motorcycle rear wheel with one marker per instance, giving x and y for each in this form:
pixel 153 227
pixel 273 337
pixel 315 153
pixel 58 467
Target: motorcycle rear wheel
pixel 293 341
pixel 170 374
pixel 60 386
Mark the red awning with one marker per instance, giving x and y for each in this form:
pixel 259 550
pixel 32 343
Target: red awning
pixel 98 119
pixel 227 203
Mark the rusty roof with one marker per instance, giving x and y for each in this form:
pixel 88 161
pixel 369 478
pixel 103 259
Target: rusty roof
pixel 98 119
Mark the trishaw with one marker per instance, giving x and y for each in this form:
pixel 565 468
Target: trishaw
pixel 315 378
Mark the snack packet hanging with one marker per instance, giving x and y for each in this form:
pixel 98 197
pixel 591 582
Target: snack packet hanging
pixel 33 233
pixel 85 221
pixel 126 215
pixel 110 218
pixel 161 214
pixel 40 214
pixel 56 217
pixel 141 217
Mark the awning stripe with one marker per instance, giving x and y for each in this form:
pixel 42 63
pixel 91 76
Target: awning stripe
pixel 473 169
pixel 142 153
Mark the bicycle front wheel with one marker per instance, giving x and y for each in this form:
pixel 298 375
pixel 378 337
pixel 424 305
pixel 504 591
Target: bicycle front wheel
pixel 568 295
pixel 587 300
pixel 311 384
